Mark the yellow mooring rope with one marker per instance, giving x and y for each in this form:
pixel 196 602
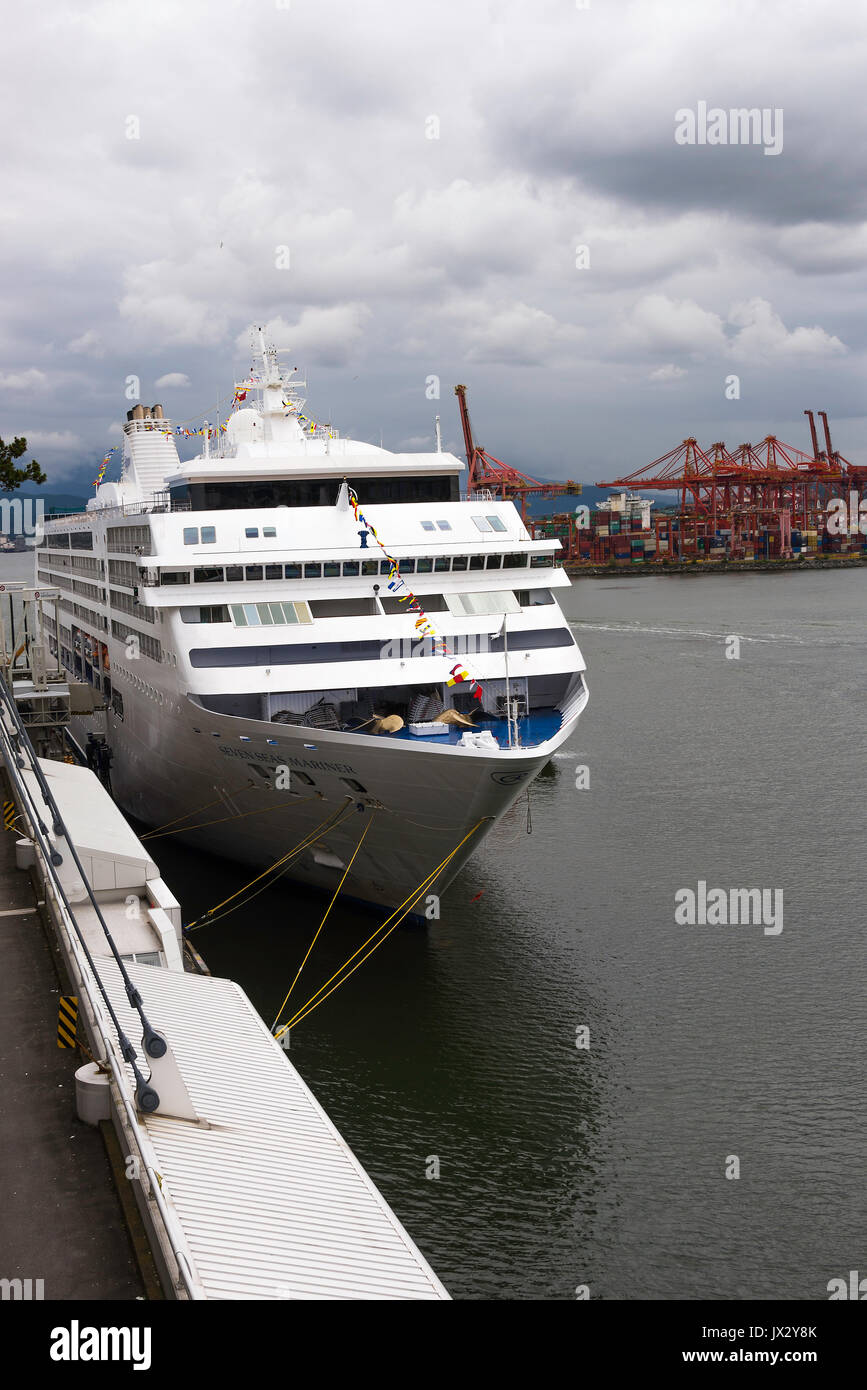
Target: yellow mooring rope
pixel 314 1001
pixel 239 815
pixel 158 830
pixel 324 919
pixel 330 823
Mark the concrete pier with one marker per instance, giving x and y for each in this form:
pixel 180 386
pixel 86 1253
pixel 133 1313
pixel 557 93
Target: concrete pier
pixel 60 1217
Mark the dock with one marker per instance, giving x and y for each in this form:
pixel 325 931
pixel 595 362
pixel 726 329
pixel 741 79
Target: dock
pixel 244 1187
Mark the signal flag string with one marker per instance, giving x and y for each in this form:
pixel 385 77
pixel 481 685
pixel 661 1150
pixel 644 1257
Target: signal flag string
pixel 425 628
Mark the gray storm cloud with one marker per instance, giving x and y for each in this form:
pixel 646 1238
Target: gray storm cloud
pixel 404 192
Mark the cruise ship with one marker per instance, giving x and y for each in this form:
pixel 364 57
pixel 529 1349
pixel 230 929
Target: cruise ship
pixel 310 652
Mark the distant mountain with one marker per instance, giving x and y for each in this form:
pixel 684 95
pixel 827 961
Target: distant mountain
pixel 54 501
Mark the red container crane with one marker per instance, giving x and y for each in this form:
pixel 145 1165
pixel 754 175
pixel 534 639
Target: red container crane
pixel 488 474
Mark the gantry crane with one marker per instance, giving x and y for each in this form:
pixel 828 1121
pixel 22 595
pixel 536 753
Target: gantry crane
pixel 486 473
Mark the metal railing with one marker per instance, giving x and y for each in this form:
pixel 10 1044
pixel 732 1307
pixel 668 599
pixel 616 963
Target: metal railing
pixel 15 744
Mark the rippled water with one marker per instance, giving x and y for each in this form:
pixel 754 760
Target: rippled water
pixel 606 1166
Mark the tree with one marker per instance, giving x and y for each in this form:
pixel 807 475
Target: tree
pixel 12 477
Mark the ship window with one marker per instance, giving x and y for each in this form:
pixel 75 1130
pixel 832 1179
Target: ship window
pixel 482 605
pixel 213 613
pixel 441 564
pixel 444 525
pixel 209 535
pixel 459 562
pixel 482 524
pixel 350 567
pixel 273 571
pixel 251 532
pixel 331 569
pixel 266 776
pixel 428 526
pixel 433 603
pixel 269 614
pixel 424 567
pixel 343 607
pixel 175 577
pixel 269 532
pixel 515 561
pixel 302 777
pixel 477 562
pixel 495 562
pixel 191 535
pixel 234 573
pixel 541 562
pixel 316 492
pixel 312 571
pixel 352 784
pixel 254 571
pixel 293 571
pixel 530 598
pixel 497 524
pixel 369 567
pixel 384 566
pixel 208 575
pixel 117 703
pixel 406 566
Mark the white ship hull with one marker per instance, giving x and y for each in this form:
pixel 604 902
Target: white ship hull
pixel 421 801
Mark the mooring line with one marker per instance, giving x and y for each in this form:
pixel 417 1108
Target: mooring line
pixel 314 1001
pixel 324 919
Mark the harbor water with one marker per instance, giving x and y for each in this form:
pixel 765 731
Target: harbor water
pixel 708 1141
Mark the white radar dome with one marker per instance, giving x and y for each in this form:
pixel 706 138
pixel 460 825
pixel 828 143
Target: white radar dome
pixel 245 427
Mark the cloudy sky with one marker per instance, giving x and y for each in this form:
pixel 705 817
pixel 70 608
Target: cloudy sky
pixel 431 174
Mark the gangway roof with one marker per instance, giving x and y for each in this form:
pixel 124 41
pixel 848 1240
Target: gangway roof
pixel 111 852
pixel 273 1203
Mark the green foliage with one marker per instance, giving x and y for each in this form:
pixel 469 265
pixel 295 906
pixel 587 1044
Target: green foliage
pixel 12 477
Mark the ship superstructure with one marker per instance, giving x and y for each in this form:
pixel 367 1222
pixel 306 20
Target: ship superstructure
pixel 265 671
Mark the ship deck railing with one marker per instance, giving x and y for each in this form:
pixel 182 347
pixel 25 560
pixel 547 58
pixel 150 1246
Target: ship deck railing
pixel 528 730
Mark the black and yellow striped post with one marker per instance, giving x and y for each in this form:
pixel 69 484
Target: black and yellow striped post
pixel 8 815
pixel 67 1020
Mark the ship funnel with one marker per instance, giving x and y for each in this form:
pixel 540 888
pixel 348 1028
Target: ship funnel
pixel 157 412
